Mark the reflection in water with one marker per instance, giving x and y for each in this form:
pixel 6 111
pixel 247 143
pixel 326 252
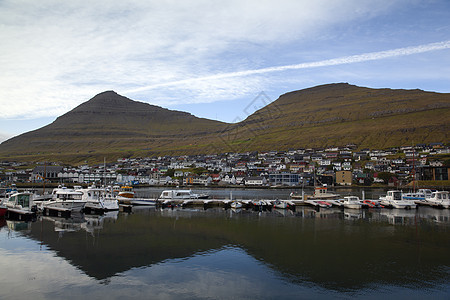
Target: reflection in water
pixel 193 253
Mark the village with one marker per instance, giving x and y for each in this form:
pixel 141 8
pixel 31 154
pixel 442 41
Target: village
pixel 335 166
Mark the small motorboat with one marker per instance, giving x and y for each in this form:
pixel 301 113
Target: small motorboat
pixel 280 204
pixel 351 202
pixel 20 205
pixel 324 204
pixel 394 199
pixel 236 204
pixel 372 204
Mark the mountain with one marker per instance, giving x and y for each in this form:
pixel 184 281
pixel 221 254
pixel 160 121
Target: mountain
pixel 340 114
pixel 110 125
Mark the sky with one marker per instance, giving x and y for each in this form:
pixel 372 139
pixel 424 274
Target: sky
pixel 213 59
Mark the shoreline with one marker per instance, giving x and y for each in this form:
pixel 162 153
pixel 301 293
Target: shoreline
pixel 237 187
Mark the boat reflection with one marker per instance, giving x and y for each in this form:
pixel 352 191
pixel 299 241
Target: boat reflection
pixel 66 224
pixel 19 226
pixel 95 222
pixel 307 245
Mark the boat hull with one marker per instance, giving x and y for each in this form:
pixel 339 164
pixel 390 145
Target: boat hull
pixel 76 206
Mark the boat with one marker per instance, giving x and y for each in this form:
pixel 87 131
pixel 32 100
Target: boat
pixel 421 194
pixel 439 199
pixel 372 204
pixel 98 199
pixel 181 195
pixel 320 193
pixel 126 192
pixel 126 196
pixel 20 205
pixel 65 199
pixel 236 204
pixel 351 202
pixel 280 204
pixel 323 204
pixel 394 199
pixel 3 209
pixel 141 201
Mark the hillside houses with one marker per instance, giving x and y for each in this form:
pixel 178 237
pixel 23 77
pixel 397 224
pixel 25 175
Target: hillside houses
pixel 334 165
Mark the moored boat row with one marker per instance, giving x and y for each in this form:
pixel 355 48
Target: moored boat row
pixel 100 200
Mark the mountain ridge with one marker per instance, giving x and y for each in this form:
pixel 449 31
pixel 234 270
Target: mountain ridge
pixel 332 114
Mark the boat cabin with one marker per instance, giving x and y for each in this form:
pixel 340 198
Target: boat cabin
pixel 351 199
pixel 394 195
pixel 440 195
pixel 67 194
pixel 20 200
pixel 178 194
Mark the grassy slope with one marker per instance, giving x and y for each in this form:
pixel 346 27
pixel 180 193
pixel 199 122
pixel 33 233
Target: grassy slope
pixel 113 126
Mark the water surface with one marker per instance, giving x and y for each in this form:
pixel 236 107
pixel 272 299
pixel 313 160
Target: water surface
pixel 193 253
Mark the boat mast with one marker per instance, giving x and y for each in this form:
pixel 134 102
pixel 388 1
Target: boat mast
pixel 43 178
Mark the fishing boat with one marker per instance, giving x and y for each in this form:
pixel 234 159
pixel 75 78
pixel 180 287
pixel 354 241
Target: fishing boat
pixel 394 199
pixel 20 205
pixel 351 202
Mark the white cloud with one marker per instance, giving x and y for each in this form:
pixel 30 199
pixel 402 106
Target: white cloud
pixel 55 54
pixel 324 63
pixel 4 136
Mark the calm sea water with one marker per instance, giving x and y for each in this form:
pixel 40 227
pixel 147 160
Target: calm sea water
pixel 224 254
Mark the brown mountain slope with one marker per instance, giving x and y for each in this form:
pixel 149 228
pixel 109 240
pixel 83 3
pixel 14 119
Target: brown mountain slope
pixel 338 114
pixel 110 123
pixel 335 114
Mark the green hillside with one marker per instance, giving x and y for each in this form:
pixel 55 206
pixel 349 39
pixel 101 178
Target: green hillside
pixel 339 114
pixel 110 125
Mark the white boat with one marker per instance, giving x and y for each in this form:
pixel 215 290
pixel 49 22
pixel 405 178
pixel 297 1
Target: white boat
pixel 351 202
pixel 439 199
pixel 320 193
pixel 280 204
pixel 394 199
pixel 181 195
pixel 20 204
pixel 236 204
pixel 65 199
pixel 421 194
pixel 141 201
pixel 98 199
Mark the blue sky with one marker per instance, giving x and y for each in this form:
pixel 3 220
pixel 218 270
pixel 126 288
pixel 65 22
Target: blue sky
pixel 210 58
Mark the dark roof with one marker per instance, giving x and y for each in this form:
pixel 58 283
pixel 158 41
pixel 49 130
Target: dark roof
pixel 40 169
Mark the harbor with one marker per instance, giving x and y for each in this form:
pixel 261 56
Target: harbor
pixel 63 201
pixel 223 243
